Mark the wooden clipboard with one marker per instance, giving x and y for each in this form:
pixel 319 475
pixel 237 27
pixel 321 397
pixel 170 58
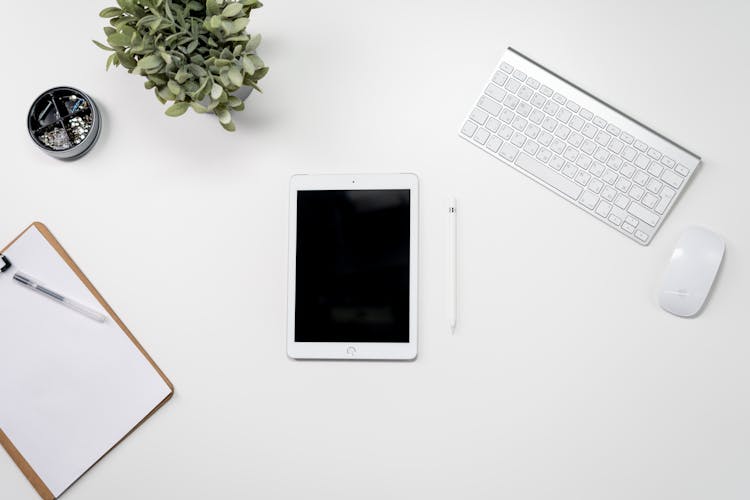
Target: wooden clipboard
pixel 27 470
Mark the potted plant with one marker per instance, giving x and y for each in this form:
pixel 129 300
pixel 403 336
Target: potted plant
pixel 194 54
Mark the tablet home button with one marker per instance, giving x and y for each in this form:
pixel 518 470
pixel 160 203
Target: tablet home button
pixel 351 350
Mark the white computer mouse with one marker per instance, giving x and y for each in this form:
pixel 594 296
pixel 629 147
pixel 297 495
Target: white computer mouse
pixel 691 271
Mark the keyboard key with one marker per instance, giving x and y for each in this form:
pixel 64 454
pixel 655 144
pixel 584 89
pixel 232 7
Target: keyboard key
pixel 615 146
pixel 489 105
pixel 544 138
pixel 519 74
pixel 492 124
pixel 576 123
pixel 507 115
pixel 669 162
pixel 494 143
pixel 564 115
pixel 551 107
pixel 626 138
pixel 595 185
pixel 532 83
pixel 559 98
pixel 584 161
pixel 641 235
pixel 531 147
pixel 511 101
pixel 556 162
pixel 481 136
pixel 667 193
pixel 500 78
pixel 599 122
pixel 629 228
pixel 532 130
pixel 572 106
pixel 644 214
pixel 562 132
pixel 627 170
pixel 589 131
pixel 589 199
pixel 609 176
pixel 546 91
pixel 508 151
pixel 506 67
pixel 575 139
pixel 469 128
pixel 588 147
pixel 640 177
pixel 655 169
pixel 642 161
pixel 601 154
pixel 614 162
pixel 603 209
pixel 524 108
pixel 649 200
pixel 519 123
pixel 479 116
pixel 631 220
pixel 525 93
pixel 495 92
pixel 549 124
pixel 654 186
pixel 596 169
pixel 622 201
pixel 536 116
pixel 608 193
pixel 512 85
pixel 682 170
pixel 582 177
pixel 586 114
pixel 629 153
pixel 602 138
pixel 571 154
pixel 662 205
pixel 641 146
pixel 517 139
pixel 623 184
pixel 557 146
pixel 538 100
pixel 505 132
pixel 552 178
pixel 569 170
pixel 653 153
pixel 636 192
pixel 671 178
pixel 544 155
pixel 612 129
pixel 615 220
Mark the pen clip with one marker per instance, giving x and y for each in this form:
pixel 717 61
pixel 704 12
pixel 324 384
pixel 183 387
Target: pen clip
pixel 4 263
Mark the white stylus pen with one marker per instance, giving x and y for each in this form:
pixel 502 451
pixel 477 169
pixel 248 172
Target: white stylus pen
pixel 31 283
pixel 452 243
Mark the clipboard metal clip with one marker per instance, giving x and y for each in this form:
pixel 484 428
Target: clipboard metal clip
pixel 4 263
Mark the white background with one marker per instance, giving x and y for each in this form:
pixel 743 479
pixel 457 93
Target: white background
pixel 564 379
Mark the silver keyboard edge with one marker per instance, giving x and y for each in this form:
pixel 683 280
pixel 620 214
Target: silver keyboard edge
pixel 544 68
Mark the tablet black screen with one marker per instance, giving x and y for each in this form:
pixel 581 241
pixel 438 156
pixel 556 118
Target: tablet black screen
pixel 352 277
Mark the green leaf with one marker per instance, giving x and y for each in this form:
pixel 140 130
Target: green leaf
pixel 112 58
pixel 235 76
pixel 254 42
pixel 198 107
pixel 248 65
pixel 224 116
pixel 102 46
pixel 118 40
pixel 177 109
pixel 174 87
pixel 240 24
pixel 110 12
pixel 232 9
pixel 216 91
pixel 229 127
pixel 151 61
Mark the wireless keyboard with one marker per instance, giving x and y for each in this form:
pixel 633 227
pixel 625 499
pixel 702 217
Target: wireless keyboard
pixel 596 157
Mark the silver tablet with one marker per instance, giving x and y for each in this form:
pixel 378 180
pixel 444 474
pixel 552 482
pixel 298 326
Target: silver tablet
pixel 353 260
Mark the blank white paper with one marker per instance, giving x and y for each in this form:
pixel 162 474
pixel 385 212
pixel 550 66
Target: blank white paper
pixel 70 388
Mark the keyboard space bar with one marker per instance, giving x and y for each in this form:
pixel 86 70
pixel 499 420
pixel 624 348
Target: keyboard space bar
pixel 546 174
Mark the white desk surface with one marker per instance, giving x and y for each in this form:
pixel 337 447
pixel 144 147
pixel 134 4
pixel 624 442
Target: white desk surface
pixel 564 379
